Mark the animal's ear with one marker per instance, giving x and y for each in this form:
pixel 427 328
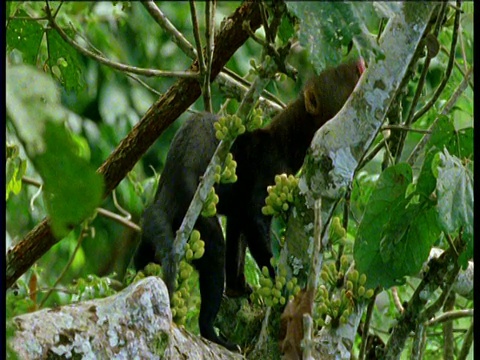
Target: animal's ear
pixel 312 103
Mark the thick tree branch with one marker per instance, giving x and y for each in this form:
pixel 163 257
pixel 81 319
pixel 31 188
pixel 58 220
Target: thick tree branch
pixel 160 115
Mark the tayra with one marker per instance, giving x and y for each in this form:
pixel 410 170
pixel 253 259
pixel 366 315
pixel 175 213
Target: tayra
pixel 280 147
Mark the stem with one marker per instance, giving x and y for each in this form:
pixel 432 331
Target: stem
pixel 67 266
pixel 467 344
pixel 448 72
pixel 366 324
pixel 446 109
pixel 209 32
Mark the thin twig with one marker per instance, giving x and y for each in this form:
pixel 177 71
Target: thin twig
pixel 447 327
pixel 462 71
pixel 116 65
pixel 196 35
pixel 405 128
pixel 346 212
pixel 446 109
pixel 317 254
pixel 119 219
pixel 448 72
pixel 125 213
pixel 366 324
pixel 263 12
pixel 450 316
pixel 416 97
pixel 369 157
pixel 176 36
pixel 397 301
pixel 108 214
pixel 209 32
pixel 30 181
pixel 267 95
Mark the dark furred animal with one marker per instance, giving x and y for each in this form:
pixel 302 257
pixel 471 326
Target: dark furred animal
pixel 278 148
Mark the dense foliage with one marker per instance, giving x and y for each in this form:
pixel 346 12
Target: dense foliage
pixel 80 76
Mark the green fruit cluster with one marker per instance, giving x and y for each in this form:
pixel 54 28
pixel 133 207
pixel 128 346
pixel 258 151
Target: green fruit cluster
pixel 280 195
pixel 194 248
pixel 229 173
pixel 151 269
pixel 182 298
pixel 210 205
pixel 274 292
pixel 228 127
pixel 330 275
pixel 255 120
pixel 356 285
pixel 339 306
pixel 338 234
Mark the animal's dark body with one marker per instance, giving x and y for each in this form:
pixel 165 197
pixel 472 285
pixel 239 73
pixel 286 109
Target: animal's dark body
pixel 278 148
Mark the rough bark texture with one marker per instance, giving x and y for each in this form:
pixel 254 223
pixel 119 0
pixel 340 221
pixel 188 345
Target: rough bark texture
pixel 135 323
pixel 160 115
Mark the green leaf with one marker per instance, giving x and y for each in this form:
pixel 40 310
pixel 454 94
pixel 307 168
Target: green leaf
pixel 25 36
pixel 455 199
pixel 389 194
pixel 395 230
pixel 427 181
pixel 410 248
pixel 16 168
pixel 67 60
pixel 72 188
pixel 461 143
pixel 458 143
pixel 286 29
pixel 442 132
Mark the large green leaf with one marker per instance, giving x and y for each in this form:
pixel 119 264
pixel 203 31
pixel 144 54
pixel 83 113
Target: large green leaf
pixel 390 191
pixel 395 235
pixel 72 188
pixel 455 199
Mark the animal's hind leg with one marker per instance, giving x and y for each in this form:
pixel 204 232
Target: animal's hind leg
pixel 211 269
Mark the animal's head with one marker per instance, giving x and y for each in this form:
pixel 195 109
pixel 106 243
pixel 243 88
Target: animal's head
pixel 326 93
